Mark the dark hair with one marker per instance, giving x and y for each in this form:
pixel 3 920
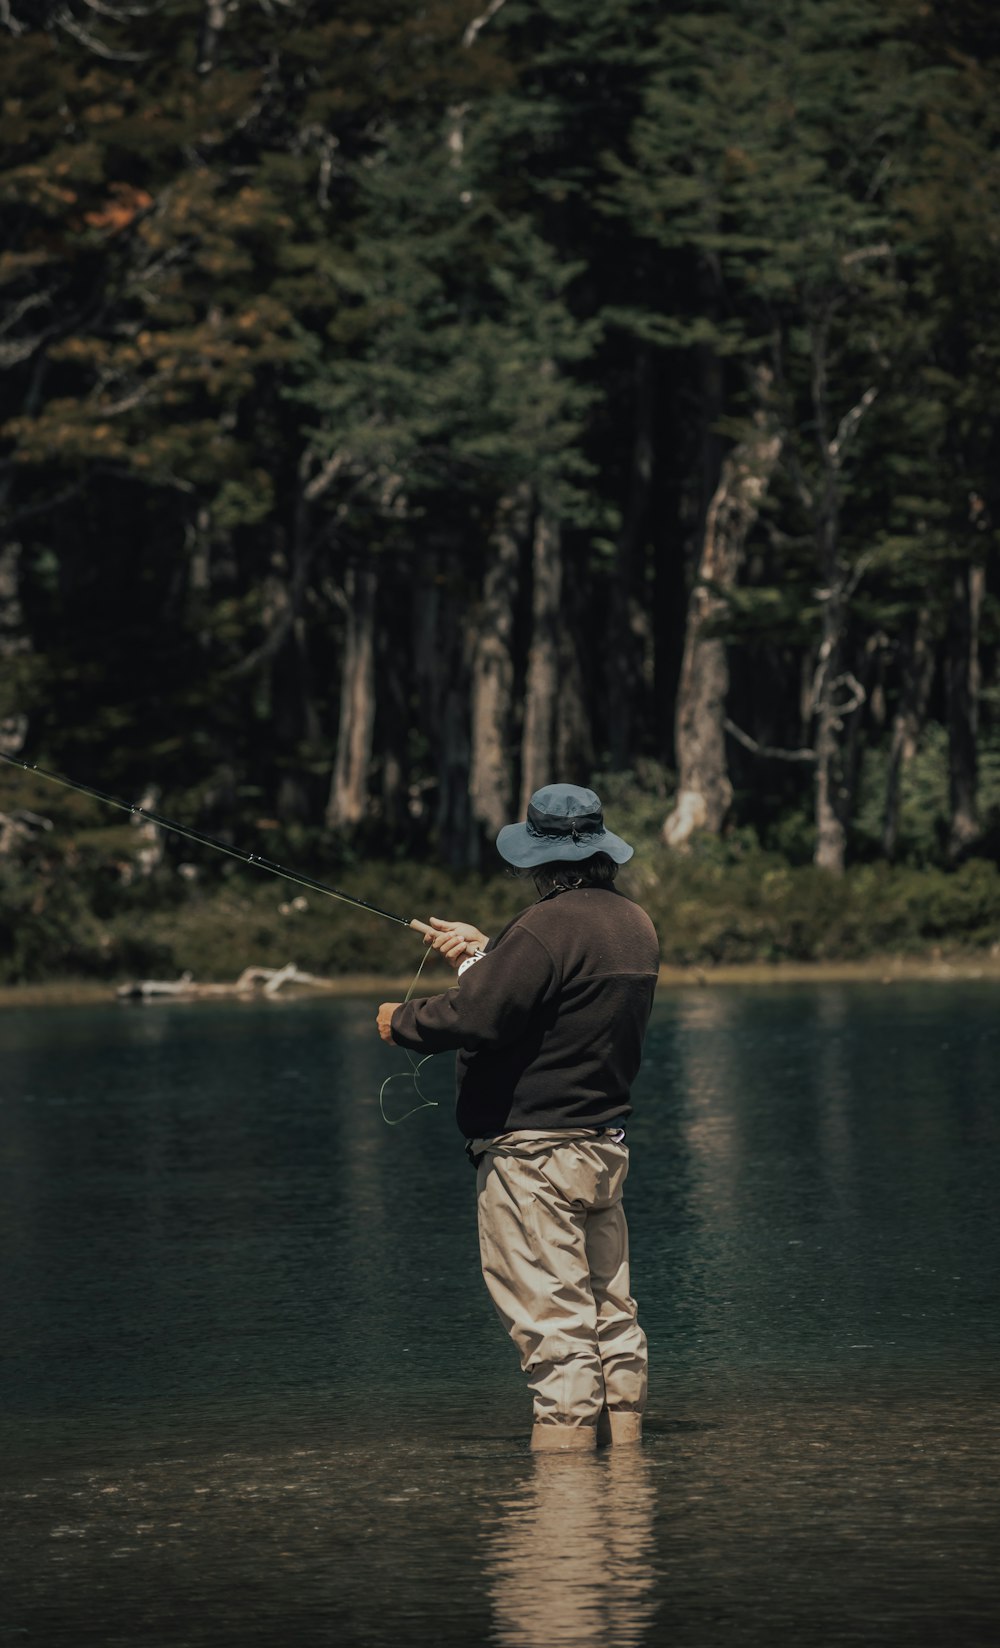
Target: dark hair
pixel 597 871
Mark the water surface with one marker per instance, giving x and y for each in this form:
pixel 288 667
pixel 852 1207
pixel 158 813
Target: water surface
pixel 253 1390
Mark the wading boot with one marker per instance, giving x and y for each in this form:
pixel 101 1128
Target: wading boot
pixel 619 1425
pixel 563 1438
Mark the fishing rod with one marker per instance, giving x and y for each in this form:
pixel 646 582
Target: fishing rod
pixel 203 840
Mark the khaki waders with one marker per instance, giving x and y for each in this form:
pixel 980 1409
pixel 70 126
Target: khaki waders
pixel 554 1247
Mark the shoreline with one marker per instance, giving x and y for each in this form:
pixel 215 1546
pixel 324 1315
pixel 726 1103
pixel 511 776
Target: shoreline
pixel 961 967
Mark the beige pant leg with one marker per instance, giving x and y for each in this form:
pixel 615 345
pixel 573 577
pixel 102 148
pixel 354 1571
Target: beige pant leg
pixel 624 1359
pixel 554 1253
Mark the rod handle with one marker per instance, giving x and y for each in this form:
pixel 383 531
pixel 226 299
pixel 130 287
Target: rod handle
pixel 421 926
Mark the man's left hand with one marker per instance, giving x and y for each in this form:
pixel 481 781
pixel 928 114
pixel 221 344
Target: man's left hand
pixel 384 1020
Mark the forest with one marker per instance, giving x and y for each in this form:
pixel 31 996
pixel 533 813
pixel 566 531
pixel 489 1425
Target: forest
pixel 407 404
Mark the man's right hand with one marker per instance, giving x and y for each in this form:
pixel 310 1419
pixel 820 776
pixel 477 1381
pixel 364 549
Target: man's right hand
pixel 455 941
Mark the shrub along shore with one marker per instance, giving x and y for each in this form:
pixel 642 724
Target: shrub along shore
pixel 76 915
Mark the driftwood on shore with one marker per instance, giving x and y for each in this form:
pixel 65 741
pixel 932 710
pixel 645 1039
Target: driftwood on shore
pixel 265 981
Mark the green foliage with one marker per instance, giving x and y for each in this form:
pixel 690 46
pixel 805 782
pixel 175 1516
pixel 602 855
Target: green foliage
pixel 75 904
pixel 319 292
pixel 923 799
pixel 47 928
pixel 752 909
pixel 763 910
pixel 636 803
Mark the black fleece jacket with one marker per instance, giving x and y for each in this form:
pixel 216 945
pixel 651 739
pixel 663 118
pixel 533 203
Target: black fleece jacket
pixel 549 1024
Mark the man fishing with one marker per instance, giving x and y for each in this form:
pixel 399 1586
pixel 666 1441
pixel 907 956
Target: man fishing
pixel 548 1019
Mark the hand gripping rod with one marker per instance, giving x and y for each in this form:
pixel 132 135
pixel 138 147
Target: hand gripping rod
pixel 203 840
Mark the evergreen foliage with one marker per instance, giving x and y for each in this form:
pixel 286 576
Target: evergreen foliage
pixel 322 327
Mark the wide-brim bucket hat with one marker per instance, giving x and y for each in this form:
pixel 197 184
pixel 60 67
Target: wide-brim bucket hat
pixel 563 823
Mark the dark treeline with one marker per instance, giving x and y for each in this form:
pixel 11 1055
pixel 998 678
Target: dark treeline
pixel 407 403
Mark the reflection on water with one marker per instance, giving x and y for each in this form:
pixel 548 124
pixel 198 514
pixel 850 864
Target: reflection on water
pixel 778 1517
pixel 253 1390
pixel 570 1564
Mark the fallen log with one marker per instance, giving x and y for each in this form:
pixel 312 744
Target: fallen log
pixel 265 981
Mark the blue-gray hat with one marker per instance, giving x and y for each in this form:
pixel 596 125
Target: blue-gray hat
pixel 563 822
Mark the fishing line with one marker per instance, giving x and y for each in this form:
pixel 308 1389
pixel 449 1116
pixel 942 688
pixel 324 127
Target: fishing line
pixel 189 834
pixel 268 865
pixel 271 869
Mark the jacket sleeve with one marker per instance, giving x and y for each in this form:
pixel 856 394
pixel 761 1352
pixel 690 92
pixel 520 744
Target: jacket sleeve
pixel 489 1007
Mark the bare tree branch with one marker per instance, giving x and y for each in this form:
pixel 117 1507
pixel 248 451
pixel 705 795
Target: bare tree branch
pixel 863 254
pixel 53 501
pixel 848 425
pixel 857 698
pixel 160 477
pixel 8 19
pixel 33 300
pixel 68 23
pixel 324 479
pixel 455 139
pixel 120 14
pixel 768 751
pixel 135 397
pixel 479 23
pixel 21 349
pixel 857 573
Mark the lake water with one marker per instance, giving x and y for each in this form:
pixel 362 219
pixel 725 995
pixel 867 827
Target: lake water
pixel 254 1392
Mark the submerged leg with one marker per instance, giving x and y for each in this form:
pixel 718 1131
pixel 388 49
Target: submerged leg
pixel 624 1358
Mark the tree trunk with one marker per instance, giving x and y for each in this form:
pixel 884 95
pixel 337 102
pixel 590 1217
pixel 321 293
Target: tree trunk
pixel 574 719
pixel 428 684
pixel 831 836
pixel 629 631
pixel 491 777
pixel 866 684
pixel 441 673
pixel 394 714
pixel 213 23
pixel 13 641
pixel 908 721
pixel 704 791
pixel 538 741
pixel 832 794
pixel 837 693
pixel 669 598
pixel 296 723
pixel 348 803
pixel 962 694
pixel 458 835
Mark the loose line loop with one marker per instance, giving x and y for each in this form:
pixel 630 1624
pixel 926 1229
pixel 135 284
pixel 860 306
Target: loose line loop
pixel 411 1075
